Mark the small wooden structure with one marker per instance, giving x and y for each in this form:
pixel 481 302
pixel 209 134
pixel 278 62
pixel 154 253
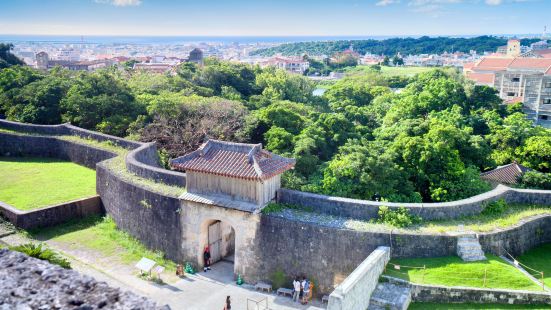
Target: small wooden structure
pixel 235 171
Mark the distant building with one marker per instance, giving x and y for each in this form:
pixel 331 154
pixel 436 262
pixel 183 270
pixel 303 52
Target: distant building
pixel 42 60
pixel 512 49
pixel 68 54
pixel 526 80
pixel 290 64
pixel 153 67
pixel 196 56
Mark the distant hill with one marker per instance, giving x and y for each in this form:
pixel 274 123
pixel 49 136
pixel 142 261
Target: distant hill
pixel 405 46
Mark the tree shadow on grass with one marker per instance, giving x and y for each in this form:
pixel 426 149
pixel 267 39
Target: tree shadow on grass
pixel 44 234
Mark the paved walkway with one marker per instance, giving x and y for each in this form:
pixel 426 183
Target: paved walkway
pixel 205 290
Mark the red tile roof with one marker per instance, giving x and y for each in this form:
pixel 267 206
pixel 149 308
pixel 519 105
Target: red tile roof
pixel 508 174
pixel 482 78
pixel 492 64
pixel 530 63
pixel 237 160
pixel 543 53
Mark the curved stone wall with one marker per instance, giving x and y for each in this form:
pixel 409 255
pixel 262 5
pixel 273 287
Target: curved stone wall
pixel 366 210
pixel 44 146
pixel 322 252
pixel 143 161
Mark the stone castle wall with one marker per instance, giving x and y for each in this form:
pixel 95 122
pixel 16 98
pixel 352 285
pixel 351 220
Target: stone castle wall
pixel 143 161
pixel 151 217
pixel 366 210
pixel 271 243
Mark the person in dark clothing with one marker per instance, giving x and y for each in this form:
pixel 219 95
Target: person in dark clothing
pixel 206 258
pixel 228 304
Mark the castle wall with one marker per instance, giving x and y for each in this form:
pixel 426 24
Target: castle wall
pixel 267 243
pixel 366 210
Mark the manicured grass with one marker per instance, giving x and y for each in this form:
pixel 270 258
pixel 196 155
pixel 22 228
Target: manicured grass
pixel 437 306
pixel 540 259
pixel 392 71
pixel 482 223
pixel 29 183
pixel 452 271
pixel 101 234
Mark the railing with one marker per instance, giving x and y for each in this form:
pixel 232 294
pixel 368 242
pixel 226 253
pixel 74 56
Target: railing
pixel 261 304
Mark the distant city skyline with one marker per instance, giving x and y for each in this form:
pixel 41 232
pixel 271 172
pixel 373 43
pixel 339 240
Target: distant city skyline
pixel 273 18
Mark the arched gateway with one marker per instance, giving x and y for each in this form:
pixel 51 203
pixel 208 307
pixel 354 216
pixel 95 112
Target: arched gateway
pixel 227 186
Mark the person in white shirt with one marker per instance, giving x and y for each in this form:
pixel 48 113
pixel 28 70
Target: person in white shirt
pixel 296 289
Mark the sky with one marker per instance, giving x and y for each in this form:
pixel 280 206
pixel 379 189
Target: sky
pixel 274 17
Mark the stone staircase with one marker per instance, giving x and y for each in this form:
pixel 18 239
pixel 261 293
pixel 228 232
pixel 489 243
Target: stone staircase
pixel 469 249
pixel 389 296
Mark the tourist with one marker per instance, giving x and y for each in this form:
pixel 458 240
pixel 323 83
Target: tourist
pixel 206 258
pixel 228 303
pixel 306 293
pixel 296 289
pixel 301 295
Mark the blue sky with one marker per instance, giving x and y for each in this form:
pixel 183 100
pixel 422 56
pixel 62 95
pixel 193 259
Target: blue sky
pixel 275 17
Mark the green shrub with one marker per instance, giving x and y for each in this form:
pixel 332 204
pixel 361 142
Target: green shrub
pixel 40 252
pixel 274 207
pixel 279 279
pixel 397 218
pixel 495 207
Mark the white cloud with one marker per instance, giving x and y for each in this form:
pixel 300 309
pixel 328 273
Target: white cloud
pixel 120 2
pixel 494 2
pixel 386 2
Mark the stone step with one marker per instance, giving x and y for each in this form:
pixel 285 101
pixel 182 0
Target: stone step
pixel 390 296
pixel 469 249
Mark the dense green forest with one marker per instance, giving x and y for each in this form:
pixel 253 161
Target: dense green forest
pixel 404 46
pixel 426 143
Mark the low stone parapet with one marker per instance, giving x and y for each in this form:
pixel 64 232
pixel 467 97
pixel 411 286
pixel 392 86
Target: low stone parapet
pixel 52 215
pixel 366 209
pixel 456 294
pixel 355 291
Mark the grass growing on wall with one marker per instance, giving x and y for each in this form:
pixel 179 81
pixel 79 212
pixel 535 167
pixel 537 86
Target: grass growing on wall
pixel 511 215
pixel 539 258
pixel 28 183
pixel 440 306
pixel 452 271
pixel 101 234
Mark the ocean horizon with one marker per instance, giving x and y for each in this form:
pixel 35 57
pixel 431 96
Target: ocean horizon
pixel 73 39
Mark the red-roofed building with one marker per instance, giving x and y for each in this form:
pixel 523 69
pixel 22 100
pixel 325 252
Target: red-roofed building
pixel 508 174
pixel 482 78
pixel 236 171
pixel 520 79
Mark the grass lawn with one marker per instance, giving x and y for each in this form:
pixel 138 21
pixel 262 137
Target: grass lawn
pixel 540 259
pixel 28 183
pixel 101 234
pixel 452 271
pixel 435 306
pixel 391 71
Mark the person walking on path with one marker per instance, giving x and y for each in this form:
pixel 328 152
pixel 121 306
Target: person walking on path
pixel 228 303
pixel 206 258
pixel 296 289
